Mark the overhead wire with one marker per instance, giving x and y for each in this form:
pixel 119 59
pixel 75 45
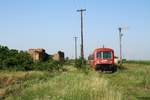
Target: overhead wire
pixel 80 4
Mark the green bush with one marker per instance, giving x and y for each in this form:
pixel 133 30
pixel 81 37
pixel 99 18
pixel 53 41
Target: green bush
pixel 10 62
pixel 79 63
pixel 47 66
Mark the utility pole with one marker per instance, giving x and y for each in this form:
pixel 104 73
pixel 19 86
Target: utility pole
pixel 75 38
pixel 120 43
pixel 103 46
pixel 82 51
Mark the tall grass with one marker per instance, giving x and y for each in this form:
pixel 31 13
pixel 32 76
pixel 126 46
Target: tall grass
pixel 71 86
pixel 130 83
pixel 12 83
pixel 138 62
pixel 133 81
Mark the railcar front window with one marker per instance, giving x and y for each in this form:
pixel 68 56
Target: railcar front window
pixel 107 55
pixel 104 54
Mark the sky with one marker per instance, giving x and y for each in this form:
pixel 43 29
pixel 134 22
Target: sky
pixel 52 24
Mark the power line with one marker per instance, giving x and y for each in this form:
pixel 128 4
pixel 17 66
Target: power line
pixel 80 3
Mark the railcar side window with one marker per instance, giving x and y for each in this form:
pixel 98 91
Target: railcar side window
pixel 99 54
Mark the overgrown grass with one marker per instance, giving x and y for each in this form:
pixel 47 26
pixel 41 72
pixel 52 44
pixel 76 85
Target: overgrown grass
pixel 71 86
pixel 133 81
pixel 138 62
pixel 130 83
pixel 12 83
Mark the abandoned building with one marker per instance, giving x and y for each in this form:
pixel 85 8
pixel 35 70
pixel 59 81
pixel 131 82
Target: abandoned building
pixel 37 54
pixel 59 56
pixel 40 54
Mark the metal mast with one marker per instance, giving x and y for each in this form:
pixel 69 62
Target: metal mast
pixel 120 43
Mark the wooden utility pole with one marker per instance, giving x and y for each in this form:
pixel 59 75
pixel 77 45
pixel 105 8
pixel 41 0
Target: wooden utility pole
pixel 75 38
pixel 82 51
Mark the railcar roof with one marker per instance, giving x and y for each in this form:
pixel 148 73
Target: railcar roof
pixel 103 49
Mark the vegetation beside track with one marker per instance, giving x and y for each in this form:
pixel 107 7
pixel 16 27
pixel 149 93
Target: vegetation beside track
pixel 129 83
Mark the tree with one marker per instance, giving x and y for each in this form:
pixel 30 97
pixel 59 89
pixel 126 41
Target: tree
pixel 11 58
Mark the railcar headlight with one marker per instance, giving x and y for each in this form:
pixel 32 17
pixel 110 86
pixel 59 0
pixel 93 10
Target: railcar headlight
pixel 98 61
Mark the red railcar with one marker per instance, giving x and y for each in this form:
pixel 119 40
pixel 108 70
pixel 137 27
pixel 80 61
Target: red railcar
pixel 102 59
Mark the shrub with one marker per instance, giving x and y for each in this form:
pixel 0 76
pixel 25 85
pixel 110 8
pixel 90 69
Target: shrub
pixel 79 64
pixel 10 62
pixel 47 66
